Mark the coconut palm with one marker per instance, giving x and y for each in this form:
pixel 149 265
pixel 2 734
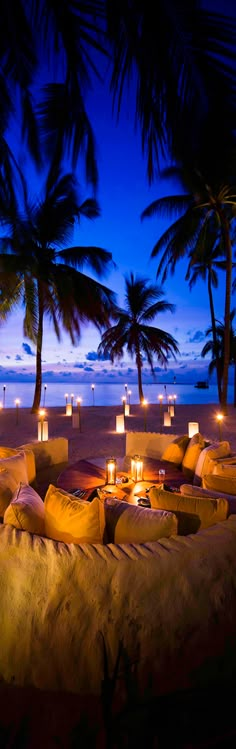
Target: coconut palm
pixel 133 332
pixel 204 263
pixel 173 61
pixel 205 209
pixel 46 275
pixel 216 349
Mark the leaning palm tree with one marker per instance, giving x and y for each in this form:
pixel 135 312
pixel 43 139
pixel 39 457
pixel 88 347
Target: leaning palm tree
pixel 133 332
pixel 215 347
pixel 47 276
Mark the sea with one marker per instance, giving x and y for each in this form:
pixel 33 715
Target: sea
pixel 105 394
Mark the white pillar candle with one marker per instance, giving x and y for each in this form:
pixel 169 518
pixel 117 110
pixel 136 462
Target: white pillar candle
pixel 167 419
pixel 193 428
pixel 42 431
pixel 68 409
pixel 120 423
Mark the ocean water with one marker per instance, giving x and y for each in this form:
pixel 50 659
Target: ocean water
pixel 105 394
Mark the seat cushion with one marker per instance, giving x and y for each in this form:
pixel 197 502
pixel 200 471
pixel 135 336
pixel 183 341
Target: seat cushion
pixel 213 452
pixel 73 520
pixel 16 464
pixel 7 452
pixel 194 448
pixel 8 485
pixel 193 513
pixel 175 451
pixel 26 510
pixel 225 484
pixel 126 523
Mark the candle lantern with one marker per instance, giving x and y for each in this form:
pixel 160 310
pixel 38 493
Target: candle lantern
pixel 111 471
pixel 171 411
pixel 127 409
pixel 124 402
pixel 42 427
pixel 136 468
pixel 120 423
pixel 193 428
pixel 69 409
pixel 167 419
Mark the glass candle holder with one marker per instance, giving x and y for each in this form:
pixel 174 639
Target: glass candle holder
pixel 111 471
pixel 136 468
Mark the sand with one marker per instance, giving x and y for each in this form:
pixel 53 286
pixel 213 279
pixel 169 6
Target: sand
pixel 98 437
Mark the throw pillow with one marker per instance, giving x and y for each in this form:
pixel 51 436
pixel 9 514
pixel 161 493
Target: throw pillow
pixel 189 462
pixel 73 520
pixel 16 465
pixel 225 484
pixel 7 452
pixel 228 470
pixel 198 491
pixel 26 510
pixel 193 513
pixel 213 452
pixel 126 523
pixel 8 485
pixel 175 451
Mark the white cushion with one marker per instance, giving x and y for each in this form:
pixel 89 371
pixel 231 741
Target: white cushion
pixel 126 523
pixel 212 452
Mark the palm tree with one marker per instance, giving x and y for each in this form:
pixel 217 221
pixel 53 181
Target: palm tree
pixel 133 332
pixel 173 60
pixel 204 209
pixel 204 263
pixel 216 349
pixel 48 279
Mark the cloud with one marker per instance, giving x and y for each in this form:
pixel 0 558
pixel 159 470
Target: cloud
pixel 78 366
pixel 27 349
pixel 93 356
pixel 196 337
pixel 88 369
pixel 17 357
pixel 8 357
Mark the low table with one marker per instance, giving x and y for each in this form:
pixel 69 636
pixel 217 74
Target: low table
pixel 88 476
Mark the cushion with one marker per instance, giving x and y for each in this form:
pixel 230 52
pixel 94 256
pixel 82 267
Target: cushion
pixel 17 466
pixel 73 520
pixel 7 452
pixel 26 510
pixel 189 462
pixel 228 470
pixel 225 484
pixel 212 452
pixel 193 513
pixel 126 523
pixel 175 451
pixel 8 485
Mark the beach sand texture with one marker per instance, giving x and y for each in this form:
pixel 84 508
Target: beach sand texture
pixel 98 437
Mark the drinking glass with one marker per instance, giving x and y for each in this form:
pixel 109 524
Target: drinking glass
pixel 162 474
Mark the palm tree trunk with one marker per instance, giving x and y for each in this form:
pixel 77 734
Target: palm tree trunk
pixel 228 248
pixel 38 380
pixel 214 336
pixel 139 368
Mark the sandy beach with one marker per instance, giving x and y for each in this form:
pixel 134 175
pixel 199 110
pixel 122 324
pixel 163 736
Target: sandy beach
pixel 98 435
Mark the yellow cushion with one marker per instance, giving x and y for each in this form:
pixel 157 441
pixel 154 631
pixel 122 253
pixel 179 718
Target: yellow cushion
pixel 132 524
pixel 7 452
pixel 189 462
pixel 17 466
pixel 193 513
pixel 26 510
pixel 72 520
pixel 228 470
pixel 8 485
pixel 213 452
pixel 225 484
pixel 175 451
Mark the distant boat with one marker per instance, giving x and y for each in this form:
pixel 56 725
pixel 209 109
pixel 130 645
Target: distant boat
pixel 203 384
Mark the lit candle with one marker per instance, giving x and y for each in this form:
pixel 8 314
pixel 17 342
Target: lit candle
pixel 111 471
pixel 136 469
pixel 17 403
pixel 219 418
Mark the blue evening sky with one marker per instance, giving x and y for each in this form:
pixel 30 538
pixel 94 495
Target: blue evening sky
pixel 123 193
